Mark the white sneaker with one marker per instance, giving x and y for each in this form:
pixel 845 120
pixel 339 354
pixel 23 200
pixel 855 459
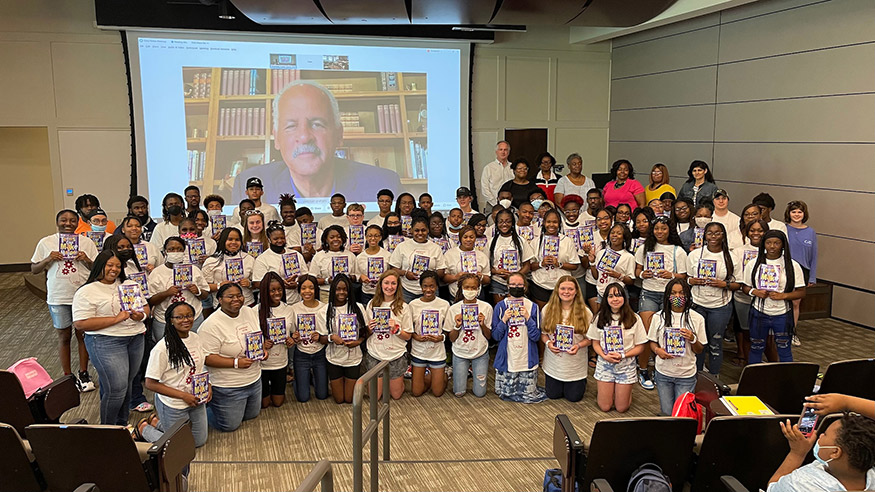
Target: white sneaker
pixel 85 382
pixel 796 342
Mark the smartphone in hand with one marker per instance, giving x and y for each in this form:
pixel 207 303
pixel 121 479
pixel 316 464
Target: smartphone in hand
pixel 808 421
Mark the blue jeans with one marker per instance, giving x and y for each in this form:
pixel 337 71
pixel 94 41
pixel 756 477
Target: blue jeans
pixel 716 321
pixel 116 360
pixel 169 416
pixel 366 298
pixel 231 406
pixel 669 389
pixel 760 327
pixel 479 366
pixel 305 365
pixel 410 296
pixel 158 327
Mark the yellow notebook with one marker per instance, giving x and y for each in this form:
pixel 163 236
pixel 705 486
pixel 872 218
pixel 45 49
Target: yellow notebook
pixel 746 405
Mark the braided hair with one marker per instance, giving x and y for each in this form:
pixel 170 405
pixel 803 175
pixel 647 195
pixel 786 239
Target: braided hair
pixel 177 352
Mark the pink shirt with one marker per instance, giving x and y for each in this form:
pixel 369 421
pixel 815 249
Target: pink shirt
pixel 623 194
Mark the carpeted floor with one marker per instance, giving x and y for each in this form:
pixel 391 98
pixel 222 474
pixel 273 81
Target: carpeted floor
pixel 445 443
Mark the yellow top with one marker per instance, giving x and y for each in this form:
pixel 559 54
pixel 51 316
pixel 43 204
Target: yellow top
pixel 650 195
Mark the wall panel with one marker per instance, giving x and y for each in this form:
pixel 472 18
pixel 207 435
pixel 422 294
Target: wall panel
pixel 90 85
pixel 853 305
pixel 684 124
pixel 27 91
pixel 661 89
pixel 532 76
pixel 691 49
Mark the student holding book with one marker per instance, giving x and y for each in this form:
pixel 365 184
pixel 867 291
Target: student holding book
pixel 176 280
pixel 66 260
pixel 516 327
pixel 415 256
pixel 229 264
pixel 311 234
pixel 774 280
pixel 617 338
pixel 148 254
pixel 355 230
pixel 288 208
pixel 469 323
pixel 391 228
pixel 404 206
pixel 508 254
pixel 676 334
pixel 372 262
pixel 254 237
pixel 345 322
pixel 603 223
pixel 310 335
pixel 614 263
pixel 437 231
pixel 463 259
pixel 694 237
pixel 564 323
pixel 110 310
pixel 288 263
pixel 556 256
pixel 390 326
pixel 748 252
pixel 660 260
pixel 712 278
pixel 479 223
pixel 334 258
pixel 427 352
pixel 197 248
pixel 232 339
pixel 525 226
pixel 172 211
pixel 642 221
pixel 177 375
pixel 277 321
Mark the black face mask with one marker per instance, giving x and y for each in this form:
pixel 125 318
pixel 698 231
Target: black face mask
pixel 125 255
pixel 516 291
pixel 393 231
pixel 174 210
pixel 277 249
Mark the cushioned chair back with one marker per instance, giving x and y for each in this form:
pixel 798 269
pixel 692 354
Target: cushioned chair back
pixel 567 448
pixel 618 447
pixel 70 455
pixel 17 474
pixel 14 410
pixel 748 448
pixel 781 385
pixel 850 377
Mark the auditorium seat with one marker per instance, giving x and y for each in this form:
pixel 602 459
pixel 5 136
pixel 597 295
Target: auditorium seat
pixel 72 455
pixel 850 377
pixel 18 470
pixel 45 406
pixel 781 385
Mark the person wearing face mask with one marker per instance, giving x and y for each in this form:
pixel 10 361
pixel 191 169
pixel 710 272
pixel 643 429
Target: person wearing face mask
pixel 573 183
pixel 520 186
pixel 675 335
pixel 470 339
pixel 505 202
pixel 98 221
pixel 63 277
pixel 537 198
pixel 124 250
pixel 391 230
pixel 274 260
pixel 694 237
pixel 85 204
pixel 173 212
pixel 843 457
pixel 516 328
pixel 165 291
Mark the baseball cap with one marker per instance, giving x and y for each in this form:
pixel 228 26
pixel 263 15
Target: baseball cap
pixel 95 212
pixel 721 192
pixel 463 191
pixel 254 181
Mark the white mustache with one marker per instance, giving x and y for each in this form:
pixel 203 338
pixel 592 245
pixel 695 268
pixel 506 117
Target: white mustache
pixel 306 149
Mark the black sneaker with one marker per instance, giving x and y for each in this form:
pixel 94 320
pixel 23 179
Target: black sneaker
pixel 645 380
pixel 84 382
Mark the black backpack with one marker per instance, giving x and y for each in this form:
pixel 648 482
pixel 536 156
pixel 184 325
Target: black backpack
pixel 649 478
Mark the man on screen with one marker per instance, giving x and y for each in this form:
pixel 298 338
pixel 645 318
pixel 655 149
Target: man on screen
pixel 307 132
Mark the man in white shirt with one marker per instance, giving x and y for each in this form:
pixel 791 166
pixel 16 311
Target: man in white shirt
pixel 255 190
pixel 337 217
pixel 729 220
pixel 385 198
pixel 495 174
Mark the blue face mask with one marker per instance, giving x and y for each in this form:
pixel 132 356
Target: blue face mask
pixel 98 228
pixel 537 204
pixel 816 451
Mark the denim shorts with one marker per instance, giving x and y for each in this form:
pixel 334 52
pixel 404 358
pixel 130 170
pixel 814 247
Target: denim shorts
pixel 497 288
pixel 397 367
pixel 623 372
pixel 62 315
pixel 434 364
pixel 650 301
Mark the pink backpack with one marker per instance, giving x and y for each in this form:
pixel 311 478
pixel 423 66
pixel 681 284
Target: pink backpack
pixel 31 375
pixel 686 406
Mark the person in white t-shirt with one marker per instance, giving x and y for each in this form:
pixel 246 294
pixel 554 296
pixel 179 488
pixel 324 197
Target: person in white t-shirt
pixel 254 191
pixel 276 319
pixel 404 206
pixel 617 338
pixel 355 214
pixel 63 277
pixel 230 339
pixel 287 263
pixel 345 322
pixel 774 280
pixel 288 208
pixel 173 211
pixel 165 290
pixel 385 198
pixel 508 253
pixel 477 262
pixel 427 351
pixel 337 217
pixel 173 364
pixel 548 268
pixel 148 254
pixel 516 326
pixel 470 336
pixel 334 258
pixel 416 255
pixel 766 204
pixel 729 220
pixel 372 262
pixel 387 340
pixel 113 333
pixel 676 334
pixel 311 336
pixel 565 370
pixel 623 270
pixel 303 216
pixel 227 260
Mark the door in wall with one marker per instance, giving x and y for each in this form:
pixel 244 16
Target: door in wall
pixel 528 143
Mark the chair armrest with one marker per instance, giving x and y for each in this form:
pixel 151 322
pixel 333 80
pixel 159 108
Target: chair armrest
pixel 87 487
pixel 59 396
pixel 732 484
pixel 173 452
pixel 600 485
pixel 722 387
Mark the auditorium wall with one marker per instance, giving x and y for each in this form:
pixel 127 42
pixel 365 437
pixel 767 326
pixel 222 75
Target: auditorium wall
pixel 776 96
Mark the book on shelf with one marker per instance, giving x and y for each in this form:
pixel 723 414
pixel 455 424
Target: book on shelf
pixel 389 81
pixel 196 163
pixel 200 386
pixel 200 85
pixel 255 345
pixel 393 118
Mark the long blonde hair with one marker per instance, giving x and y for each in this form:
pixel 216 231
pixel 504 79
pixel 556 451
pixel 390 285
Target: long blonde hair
pixel 397 303
pixel 262 236
pixel 580 317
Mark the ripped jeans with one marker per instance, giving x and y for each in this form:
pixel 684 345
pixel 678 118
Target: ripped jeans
pixel 761 325
pixel 716 320
pixel 479 367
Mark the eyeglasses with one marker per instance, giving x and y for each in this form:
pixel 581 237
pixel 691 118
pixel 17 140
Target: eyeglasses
pixel 714 233
pixel 681 209
pixel 184 317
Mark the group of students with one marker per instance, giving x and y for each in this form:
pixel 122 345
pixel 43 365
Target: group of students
pixel 239 305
